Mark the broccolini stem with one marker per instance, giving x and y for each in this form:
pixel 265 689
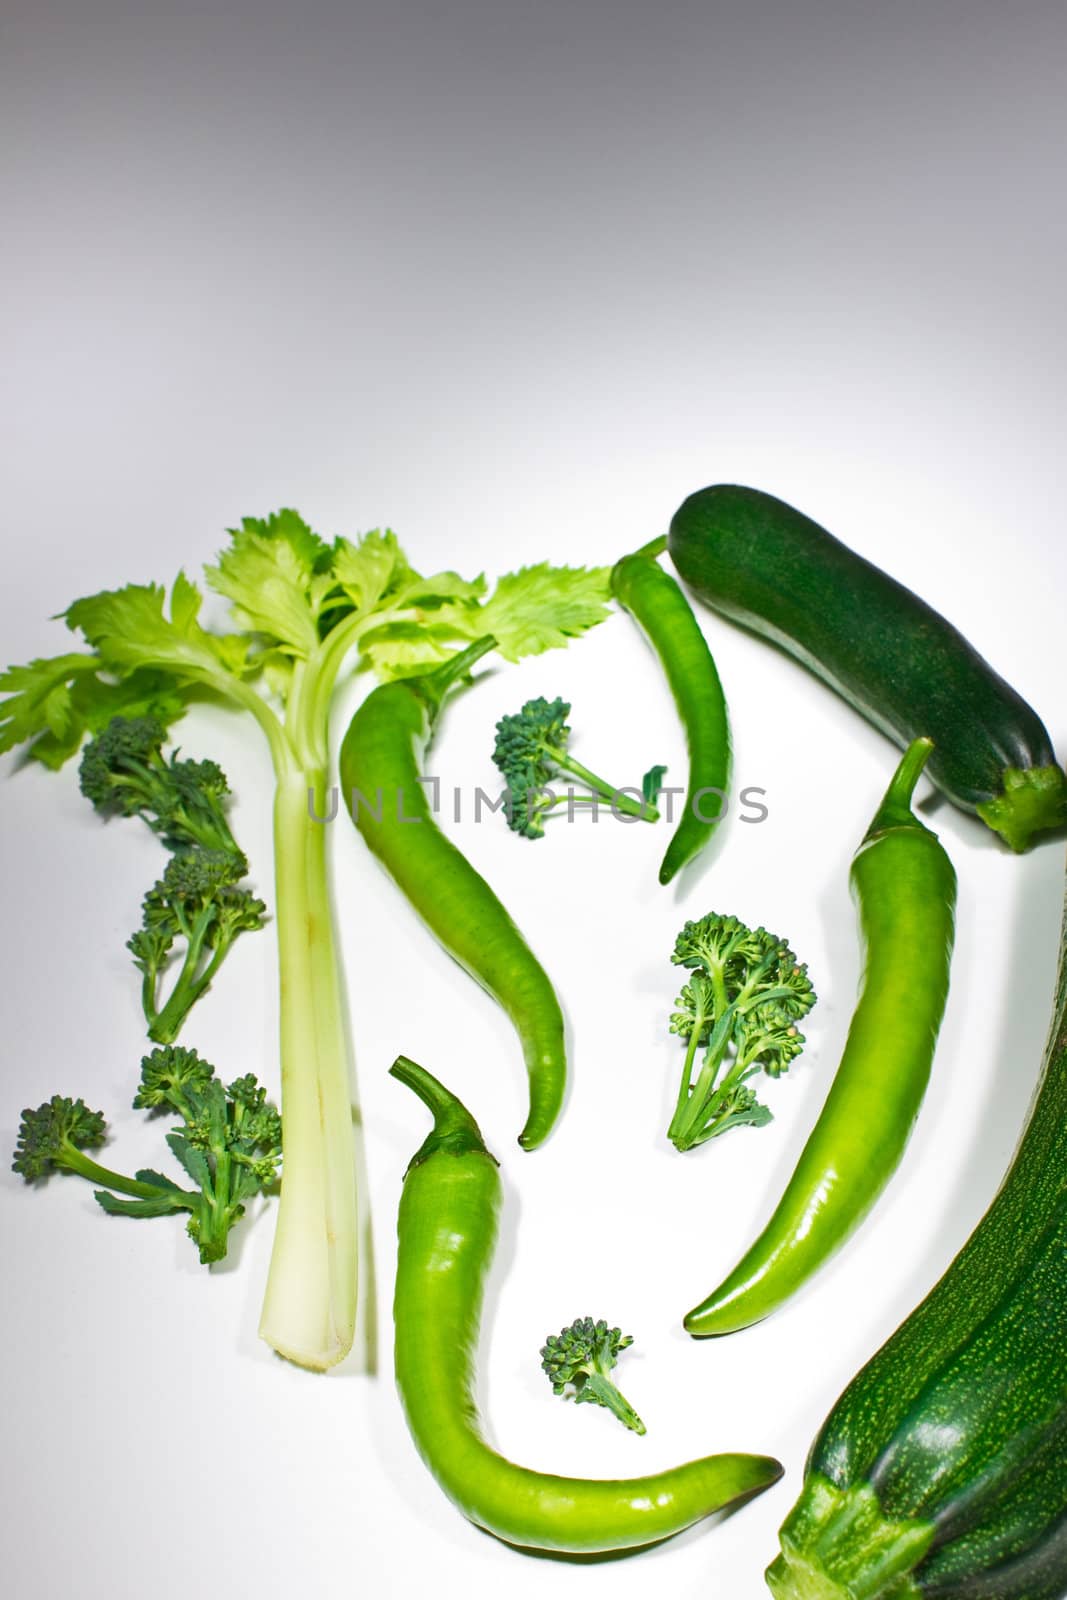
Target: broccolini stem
pixel 215 1215
pixel 167 1023
pixel 608 1395
pixel 718 986
pixel 683 1090
pixel 621 802
pixel 149 986
pixel 573 798
pixel 685 1127
pixel 76 1160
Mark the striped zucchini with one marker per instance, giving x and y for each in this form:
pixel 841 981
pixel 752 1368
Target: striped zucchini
pixel 941 1472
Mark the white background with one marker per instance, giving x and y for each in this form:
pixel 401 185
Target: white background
pixel 513 283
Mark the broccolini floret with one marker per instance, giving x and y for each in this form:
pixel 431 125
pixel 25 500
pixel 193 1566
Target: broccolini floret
pixel 124 770
pixel 198 900
pixel 579 1360
pixel 199 903
pixel 54 1136
pixel 531 750
pixel 168 1076
pixel 229 1144
pixel 741 1004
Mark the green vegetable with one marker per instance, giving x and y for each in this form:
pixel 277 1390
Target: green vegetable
pixel 123 771
pixel 301 609
pixel 380 767
pixel 579 1361
pixel 198 901
pixel 905 889
pixel 51 703
pixel 532 751
pixel 890 655
pixel 665 616
pixel 741 1003
pixel 447 1230
pixel 54 1136
pixel 942 1470
pixel 229 1145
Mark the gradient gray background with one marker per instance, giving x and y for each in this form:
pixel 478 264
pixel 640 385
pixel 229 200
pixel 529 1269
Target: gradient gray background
pixel 513 280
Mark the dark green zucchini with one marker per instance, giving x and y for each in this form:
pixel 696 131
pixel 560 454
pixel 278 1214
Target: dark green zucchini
pixel 890 655
pixel 941 1472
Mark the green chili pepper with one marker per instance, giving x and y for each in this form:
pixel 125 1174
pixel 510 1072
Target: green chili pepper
pixel 657 603
pixel 447 1230
pixel 905 889
pixel 380 766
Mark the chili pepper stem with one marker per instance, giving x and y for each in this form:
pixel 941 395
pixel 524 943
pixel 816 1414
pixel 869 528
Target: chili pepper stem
pixel 654 548
pixel 454 1128
pixel 439 1101
pixel 895 810
pixel 434 686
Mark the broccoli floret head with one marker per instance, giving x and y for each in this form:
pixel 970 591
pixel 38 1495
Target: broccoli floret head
pixel 168 1075
pixel 578 1362
pixel 254 1115
pixel 771 1034
pixel 150 947
pixel 723 943
pixel 198 875
pixel 255 1130
pixel 532 748
pixel 528 744
pixel 196 779
pixel 44 1133
pixel 752 966
pixel 530 739
pixel 239 911
pixel 123 769
pixel 199 901
pixel 696 1009
pixel 125 745
pixel 240 1124
pixel 193 881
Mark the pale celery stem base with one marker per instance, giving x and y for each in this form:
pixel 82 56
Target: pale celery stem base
pixel 309 1309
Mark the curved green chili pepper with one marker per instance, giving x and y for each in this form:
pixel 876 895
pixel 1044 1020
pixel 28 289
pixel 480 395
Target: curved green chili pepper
pixel 380 781
pixel 905 889
pixel 657 603
pixel 447 1230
